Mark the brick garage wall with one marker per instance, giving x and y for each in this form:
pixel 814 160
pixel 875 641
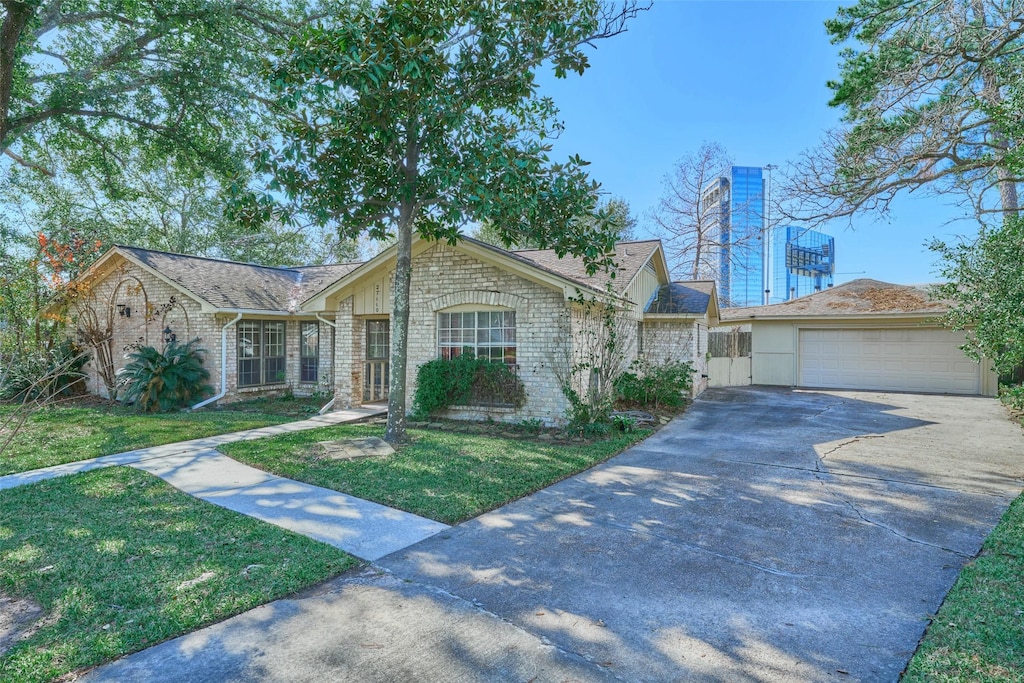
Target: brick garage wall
pixel 684 341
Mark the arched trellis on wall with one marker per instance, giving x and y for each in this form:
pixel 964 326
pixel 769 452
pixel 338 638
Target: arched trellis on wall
pixel 97 315
pixel 173 321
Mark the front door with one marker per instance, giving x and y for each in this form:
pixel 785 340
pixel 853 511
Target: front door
pixel 378 350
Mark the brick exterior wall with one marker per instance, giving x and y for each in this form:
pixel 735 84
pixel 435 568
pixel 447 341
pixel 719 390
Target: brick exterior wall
pixel 549 333
pixel 444 277
pixel 153 304
pixel 140 291
pixel 684 341
pixel 594 345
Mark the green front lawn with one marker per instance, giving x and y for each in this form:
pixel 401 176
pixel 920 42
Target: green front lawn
pixel 61 434
pixel 118 560
pixel 440 475
pixel 978 634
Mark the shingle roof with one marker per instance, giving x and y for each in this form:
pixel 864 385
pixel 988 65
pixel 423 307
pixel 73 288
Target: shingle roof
pixel 857 297
pixel 233 285
pixel 630 256
pixel 691 298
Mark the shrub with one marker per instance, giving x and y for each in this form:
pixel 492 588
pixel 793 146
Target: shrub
pixel 43 375
pixel 465 380
pixel 595 430
pixel 532 425
pixel 160 382
pixel 1013 396
pixel 624 423
pixel 650 385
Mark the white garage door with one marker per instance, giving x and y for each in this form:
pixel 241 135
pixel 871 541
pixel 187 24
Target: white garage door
pixel 925 360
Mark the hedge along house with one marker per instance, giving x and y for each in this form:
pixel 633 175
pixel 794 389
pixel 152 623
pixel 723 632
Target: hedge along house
pixel 327 328
pixel 864 335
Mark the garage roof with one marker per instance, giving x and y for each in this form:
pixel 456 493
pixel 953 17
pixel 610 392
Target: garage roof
pixel 862 297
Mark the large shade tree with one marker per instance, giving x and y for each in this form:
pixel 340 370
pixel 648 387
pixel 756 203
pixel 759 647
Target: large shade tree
pixel 614 211
pixel 173 73
pixel 121 121
pixel 419 117
pixel 925 86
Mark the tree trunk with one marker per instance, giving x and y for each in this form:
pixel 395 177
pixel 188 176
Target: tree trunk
pixel 18 16
pixel 1008 198
pixel 697 255
pixel 395 432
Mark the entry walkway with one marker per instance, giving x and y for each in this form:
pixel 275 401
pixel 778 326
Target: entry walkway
pixel 365 529
pixel 765 536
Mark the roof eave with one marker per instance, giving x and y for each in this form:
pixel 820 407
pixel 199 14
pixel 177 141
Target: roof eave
pixel 895 315
pixel 498 257
pixel 674 316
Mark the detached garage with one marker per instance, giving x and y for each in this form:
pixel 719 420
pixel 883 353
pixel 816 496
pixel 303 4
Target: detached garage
pixel 864 334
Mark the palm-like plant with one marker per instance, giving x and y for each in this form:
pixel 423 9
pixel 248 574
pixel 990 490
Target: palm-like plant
pixel 160 382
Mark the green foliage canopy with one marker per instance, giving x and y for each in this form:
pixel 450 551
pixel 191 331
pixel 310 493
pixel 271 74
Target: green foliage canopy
pixel 927 92
pixel 423 116
pixel 986 281
pixel 615 212
pixel 172 75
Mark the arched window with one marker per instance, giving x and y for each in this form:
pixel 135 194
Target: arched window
pixel 485 334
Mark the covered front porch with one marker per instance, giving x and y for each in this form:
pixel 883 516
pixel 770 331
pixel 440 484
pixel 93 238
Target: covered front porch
pixel 361 362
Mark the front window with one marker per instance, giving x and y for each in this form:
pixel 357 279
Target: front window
pixel 309 351
pixel 485 334
pixel 378 339
pixel 261 357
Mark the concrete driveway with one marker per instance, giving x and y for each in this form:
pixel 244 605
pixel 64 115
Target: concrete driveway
pixel 766 535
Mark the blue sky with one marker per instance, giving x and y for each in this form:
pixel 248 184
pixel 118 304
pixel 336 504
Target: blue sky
pixel 751 76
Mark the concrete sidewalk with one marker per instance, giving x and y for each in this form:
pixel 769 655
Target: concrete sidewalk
pixel 365 529
pixel 360 527
pixel 180 447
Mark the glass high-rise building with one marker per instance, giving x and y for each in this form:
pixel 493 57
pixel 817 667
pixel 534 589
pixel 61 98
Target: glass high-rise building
pixel 735 203
pixel 803 262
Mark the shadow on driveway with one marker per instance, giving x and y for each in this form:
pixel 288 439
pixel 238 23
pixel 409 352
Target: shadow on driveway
pixel 766 535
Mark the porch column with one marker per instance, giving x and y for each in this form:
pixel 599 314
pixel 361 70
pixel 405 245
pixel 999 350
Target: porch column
pixel 347 360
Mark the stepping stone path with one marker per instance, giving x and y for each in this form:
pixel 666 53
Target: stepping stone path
pixel 353 449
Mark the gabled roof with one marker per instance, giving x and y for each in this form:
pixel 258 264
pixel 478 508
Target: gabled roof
pixel 543 265
pixel 233 286
pixel 857 298
pixel 630 257
pixel 686 298
pixel 238 286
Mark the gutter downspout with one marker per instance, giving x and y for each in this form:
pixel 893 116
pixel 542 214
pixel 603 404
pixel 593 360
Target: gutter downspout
pixel 330 404
pixel 223 365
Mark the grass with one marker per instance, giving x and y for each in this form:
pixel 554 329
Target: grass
pixel 440 475
pixel 978 634
pixel 60 434
pixel 119 561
